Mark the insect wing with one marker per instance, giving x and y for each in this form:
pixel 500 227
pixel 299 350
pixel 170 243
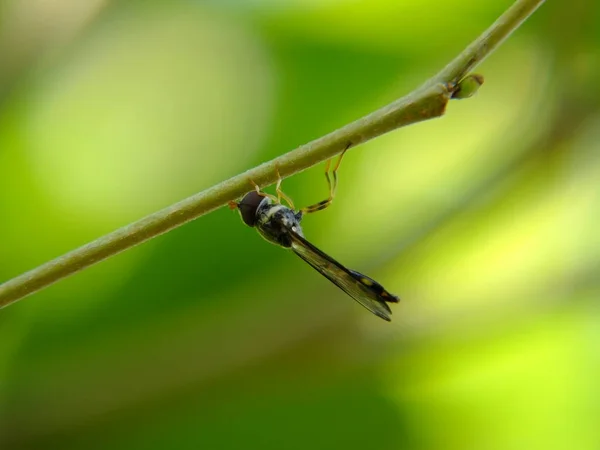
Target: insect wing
pixel 361 288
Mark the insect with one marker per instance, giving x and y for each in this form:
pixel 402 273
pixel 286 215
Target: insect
pixel 280 225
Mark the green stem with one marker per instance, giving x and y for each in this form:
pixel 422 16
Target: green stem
pixel 426 102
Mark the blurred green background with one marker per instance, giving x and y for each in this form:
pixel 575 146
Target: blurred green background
pixel 484 222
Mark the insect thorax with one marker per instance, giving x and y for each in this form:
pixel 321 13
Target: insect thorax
pixel 274 222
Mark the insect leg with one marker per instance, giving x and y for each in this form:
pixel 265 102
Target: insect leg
pixel 332 186
pixel 280 193
pixel 264 194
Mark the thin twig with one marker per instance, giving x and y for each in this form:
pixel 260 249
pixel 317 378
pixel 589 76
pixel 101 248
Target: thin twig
pixel 426 102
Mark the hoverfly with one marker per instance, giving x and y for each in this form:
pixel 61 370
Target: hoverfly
pixel 280 225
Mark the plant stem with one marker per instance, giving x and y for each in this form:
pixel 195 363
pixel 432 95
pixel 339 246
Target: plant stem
pixel 424 103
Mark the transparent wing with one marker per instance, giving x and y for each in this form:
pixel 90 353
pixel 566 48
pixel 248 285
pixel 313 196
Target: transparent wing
pixel 361 288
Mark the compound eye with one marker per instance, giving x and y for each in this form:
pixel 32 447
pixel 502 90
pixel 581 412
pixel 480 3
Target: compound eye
pixel 248 206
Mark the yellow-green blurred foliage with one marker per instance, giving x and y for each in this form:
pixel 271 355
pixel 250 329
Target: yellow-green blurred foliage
pixel 486 223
